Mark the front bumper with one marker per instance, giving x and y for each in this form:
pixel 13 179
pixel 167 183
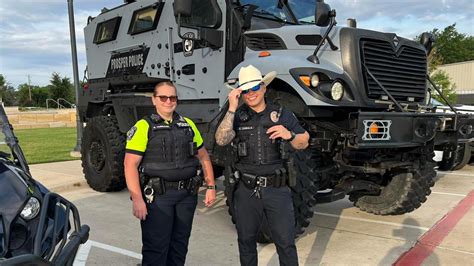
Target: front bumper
pixel 407 129
pixel 456 129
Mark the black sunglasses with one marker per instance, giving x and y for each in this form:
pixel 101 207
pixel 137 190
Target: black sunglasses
pixel 164 98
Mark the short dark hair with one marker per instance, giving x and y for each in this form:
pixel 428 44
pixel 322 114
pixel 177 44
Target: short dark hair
pixel 161 84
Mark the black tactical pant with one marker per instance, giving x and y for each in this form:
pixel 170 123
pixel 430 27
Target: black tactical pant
pixel 167 228
pixel 276 204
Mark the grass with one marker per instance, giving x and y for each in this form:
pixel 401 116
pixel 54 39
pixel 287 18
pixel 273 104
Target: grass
pixel 44 145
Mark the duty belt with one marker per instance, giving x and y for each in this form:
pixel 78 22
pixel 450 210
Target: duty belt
pixel 177 185
pixel 255 182
pixel 252 181
pixel 158 186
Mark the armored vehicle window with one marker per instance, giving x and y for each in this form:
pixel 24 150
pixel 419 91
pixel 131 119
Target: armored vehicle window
pixel 205 13
pixel 145 19
pixel 107 31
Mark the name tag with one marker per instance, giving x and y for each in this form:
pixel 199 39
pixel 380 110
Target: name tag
pixel 161 127
pixel 182 124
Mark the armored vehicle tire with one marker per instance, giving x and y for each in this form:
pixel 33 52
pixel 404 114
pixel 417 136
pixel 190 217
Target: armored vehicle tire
pixel 103 149
pixel 404 193
pixel 303 194
pixel 464 156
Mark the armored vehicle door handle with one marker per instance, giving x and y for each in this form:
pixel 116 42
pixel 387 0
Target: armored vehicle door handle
pixel 188 69
pixel 167 69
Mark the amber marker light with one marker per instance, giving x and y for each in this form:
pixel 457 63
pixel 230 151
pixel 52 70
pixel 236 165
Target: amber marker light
pixel 306 80
pixel 264 54
pixel 374 128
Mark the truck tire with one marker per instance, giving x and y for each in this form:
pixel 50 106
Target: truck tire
pixel 303 195
pixel 103 150
pixel 464 156
pixel 404 193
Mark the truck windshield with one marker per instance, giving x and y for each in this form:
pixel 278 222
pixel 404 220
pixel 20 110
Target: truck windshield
pixel 303 10
pixel 294 12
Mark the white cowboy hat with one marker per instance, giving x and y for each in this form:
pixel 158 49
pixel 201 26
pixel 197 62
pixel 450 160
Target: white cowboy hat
pixel 250 76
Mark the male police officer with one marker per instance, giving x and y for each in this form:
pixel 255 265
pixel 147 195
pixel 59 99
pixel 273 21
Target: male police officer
pixel 257 132
pixel 167 149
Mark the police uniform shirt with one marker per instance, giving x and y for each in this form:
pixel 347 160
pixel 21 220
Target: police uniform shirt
pixel 137 137
pixel 286 119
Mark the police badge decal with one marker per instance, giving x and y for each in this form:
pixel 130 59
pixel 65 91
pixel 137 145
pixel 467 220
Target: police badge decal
pixel 188 43
pixel 274 116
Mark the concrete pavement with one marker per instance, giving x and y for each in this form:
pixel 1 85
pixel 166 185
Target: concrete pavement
pixel 59 176
pixel 339 234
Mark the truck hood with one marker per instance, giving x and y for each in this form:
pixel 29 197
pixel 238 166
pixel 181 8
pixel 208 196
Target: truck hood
pixel 291 37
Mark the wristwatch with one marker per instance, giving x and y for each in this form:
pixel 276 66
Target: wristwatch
pixel 212 187
pixel 293 136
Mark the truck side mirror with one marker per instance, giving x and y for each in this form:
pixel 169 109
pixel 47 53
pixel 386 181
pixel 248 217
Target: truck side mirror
pixel 427 40
pixel 322 14
pixel 182 7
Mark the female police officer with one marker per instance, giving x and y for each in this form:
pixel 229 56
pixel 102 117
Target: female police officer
pixel 256 131
pixel 166 148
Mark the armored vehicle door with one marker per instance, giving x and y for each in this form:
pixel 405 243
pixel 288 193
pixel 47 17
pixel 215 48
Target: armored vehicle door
pixel 198 51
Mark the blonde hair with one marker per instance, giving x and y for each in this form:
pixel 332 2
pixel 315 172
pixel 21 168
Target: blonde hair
pixel 163 83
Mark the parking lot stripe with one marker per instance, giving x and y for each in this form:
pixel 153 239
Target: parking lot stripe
pixel 373 221
pixel 456 250
pixel 116 250
pixel 450 194
pixel 83 252
pixel 452 173
pixel 433 238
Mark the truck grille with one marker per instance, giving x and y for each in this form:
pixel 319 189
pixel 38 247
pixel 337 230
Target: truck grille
pixel 264 41
pixel 401 72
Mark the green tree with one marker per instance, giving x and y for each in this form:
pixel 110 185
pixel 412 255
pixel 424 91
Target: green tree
pixel 38 96
pixel 61 87
pixel 24 95
pixel 443 82
pixel 450 47
pixel 7 92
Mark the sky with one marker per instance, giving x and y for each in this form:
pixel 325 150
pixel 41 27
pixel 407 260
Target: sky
pixel 34 34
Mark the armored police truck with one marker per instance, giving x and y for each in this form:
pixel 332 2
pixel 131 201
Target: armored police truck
pixel 361 94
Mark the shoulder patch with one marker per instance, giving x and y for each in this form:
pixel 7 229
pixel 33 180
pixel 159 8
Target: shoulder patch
pixel 131 133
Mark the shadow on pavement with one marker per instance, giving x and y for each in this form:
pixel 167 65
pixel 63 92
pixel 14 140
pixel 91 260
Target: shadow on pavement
pixel 396 252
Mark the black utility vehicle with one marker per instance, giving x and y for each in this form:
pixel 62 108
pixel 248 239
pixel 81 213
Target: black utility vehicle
pixel 37 227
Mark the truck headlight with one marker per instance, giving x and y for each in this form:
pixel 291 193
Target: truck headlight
pixel 314 80
pixel 337 91
pixel 31 209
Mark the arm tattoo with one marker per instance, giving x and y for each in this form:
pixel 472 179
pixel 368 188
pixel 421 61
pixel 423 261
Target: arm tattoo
pixel 225 132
